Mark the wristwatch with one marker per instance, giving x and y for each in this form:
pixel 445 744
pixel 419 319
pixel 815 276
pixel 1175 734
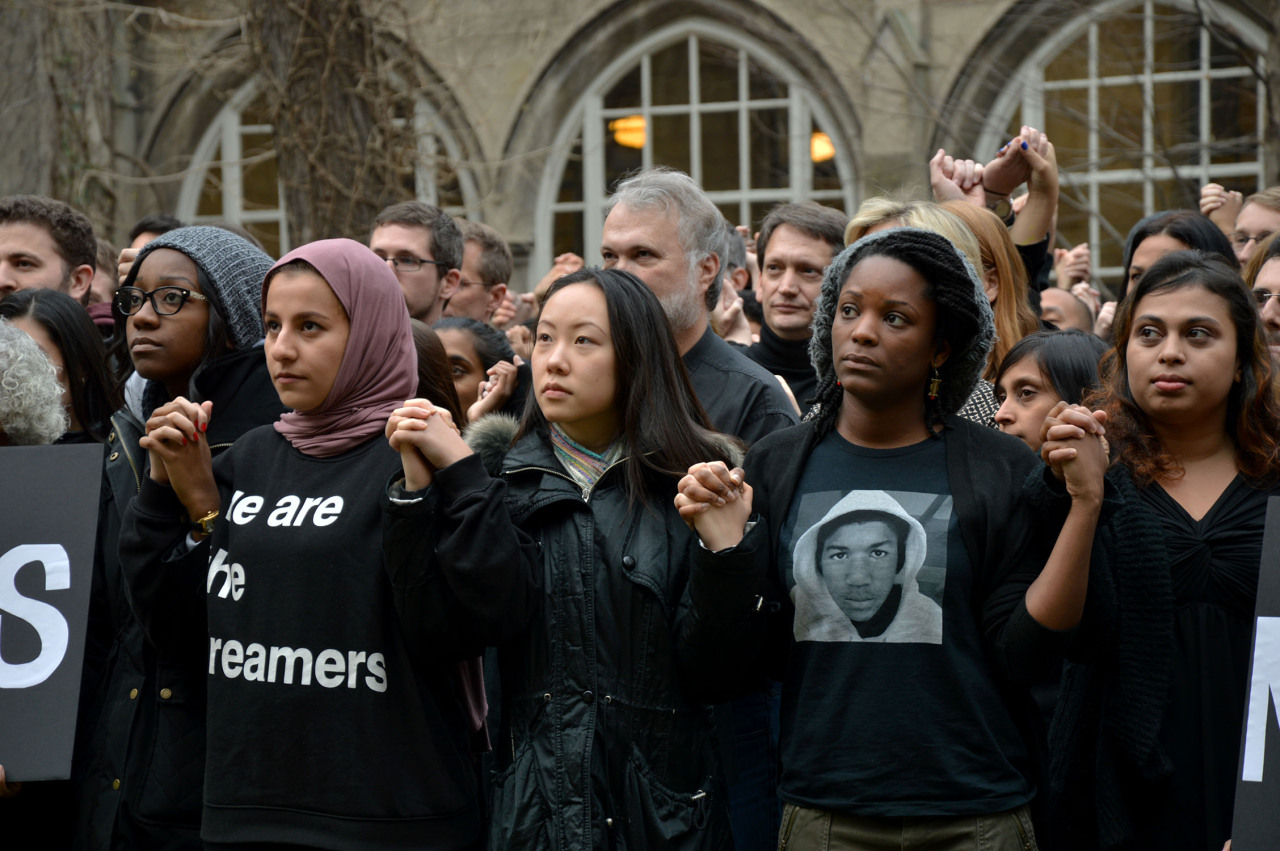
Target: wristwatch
pixel 1003 208
pixel 204 525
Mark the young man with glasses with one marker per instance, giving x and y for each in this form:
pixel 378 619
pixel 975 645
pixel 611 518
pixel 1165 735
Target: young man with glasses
pixel 424 248
pixel 486 269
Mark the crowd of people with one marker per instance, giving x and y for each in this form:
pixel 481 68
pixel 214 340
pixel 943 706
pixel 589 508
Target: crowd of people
pixel 869 531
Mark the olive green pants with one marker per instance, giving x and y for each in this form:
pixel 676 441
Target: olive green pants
pixel 817 830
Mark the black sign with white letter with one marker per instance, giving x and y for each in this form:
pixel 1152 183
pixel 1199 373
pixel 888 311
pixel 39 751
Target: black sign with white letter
pixel 48 522
pixel 1256 825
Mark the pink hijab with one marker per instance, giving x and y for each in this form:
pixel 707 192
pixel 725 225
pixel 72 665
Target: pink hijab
pixel 380 366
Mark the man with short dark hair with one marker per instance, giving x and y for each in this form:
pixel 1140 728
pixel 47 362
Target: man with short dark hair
pixel 486 270
pixel 661 227
pixel 424 248
pixel 1065 310
pixel 149 227
pixel 796 244
pixel 45 244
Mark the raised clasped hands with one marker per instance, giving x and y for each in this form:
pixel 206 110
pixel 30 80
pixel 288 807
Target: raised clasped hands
pixel 956 179
pixel 1075 449
pixel 716 503
pixel 178 450
pixel 496 389
pixel 426 438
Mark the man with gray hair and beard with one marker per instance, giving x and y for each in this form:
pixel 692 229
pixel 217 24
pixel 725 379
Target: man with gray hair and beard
pixel 661 227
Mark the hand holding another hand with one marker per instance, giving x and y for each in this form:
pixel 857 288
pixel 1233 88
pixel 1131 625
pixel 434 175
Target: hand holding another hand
pixel 716 503
pixel 426 438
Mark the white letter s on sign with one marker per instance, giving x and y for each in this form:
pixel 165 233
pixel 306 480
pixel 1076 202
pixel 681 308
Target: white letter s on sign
pixel 46 619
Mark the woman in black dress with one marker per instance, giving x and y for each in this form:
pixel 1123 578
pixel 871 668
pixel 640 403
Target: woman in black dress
pixel 1146 740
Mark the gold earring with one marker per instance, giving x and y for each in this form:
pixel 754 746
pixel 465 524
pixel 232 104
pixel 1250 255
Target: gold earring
pixel 935 384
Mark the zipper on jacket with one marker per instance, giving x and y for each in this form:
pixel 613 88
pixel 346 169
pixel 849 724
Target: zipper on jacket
pixel 137 479
pixel 787 827
pixel 586 492
pixel 1022 832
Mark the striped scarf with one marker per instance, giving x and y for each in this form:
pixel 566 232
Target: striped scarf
pixel 583 466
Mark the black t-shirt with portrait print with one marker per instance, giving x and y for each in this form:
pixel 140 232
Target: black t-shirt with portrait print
pixel 890 706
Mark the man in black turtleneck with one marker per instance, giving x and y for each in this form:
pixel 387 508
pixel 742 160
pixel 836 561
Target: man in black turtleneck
pixel 795 246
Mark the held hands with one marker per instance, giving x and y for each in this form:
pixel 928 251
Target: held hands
pixel 521 339
pixel 1106 317
pixel 1221 206
pixel 716 503
pixel 729 319
pixel 1010 169
pixel 561 266
pixel 427 440
pixel 496 389
pixel 956 180
pixel 1073 265
pixel 1075 448
pixel 179 453
pixel 127 255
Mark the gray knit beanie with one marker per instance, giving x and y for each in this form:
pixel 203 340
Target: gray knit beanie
pixel 965 319
pixel 234 267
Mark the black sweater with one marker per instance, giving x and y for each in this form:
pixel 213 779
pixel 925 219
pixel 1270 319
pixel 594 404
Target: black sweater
pixel 325 728
pixel 788 358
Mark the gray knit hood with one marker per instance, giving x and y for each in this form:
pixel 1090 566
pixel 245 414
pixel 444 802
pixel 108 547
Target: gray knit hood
pixel 965 318
pixel 234 267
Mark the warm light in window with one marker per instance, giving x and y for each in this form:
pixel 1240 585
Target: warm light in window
pixel 628 131
pixel 820 147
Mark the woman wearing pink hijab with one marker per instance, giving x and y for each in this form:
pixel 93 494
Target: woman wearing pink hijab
pixel 327 728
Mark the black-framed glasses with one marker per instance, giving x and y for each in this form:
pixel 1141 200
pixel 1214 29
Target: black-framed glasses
pixel 165 301
pixel 413 264
pixel 1240 240
pixel 465 284
pixel 1261 296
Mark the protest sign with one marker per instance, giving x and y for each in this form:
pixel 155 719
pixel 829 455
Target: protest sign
pixel 1255 825
pixel 48 521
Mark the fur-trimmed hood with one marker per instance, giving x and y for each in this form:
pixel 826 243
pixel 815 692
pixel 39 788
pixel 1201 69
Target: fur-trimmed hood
pixel 491 437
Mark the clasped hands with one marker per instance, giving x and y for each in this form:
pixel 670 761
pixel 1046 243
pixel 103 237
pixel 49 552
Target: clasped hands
pixel 716 503
pixel 178 451
pixel 1075 449
pixel 427 439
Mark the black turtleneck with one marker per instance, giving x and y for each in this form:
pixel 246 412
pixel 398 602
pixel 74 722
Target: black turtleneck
pixel 788 358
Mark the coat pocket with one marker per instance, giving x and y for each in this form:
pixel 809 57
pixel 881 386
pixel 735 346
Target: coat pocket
pixel 660 817
pixel 520 817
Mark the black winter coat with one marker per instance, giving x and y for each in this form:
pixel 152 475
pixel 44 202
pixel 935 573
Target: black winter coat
pixel 139 763
pixel 607 741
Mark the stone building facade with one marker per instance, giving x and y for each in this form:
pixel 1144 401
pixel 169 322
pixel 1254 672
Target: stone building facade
pixel 532 110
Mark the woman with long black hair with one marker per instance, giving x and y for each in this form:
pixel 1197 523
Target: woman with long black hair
pixel 606 741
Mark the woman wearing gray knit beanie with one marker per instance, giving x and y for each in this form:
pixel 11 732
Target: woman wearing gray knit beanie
pixel 914 590
pixel 188 323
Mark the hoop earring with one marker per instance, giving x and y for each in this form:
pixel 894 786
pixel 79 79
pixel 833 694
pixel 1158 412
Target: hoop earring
pixel 935 384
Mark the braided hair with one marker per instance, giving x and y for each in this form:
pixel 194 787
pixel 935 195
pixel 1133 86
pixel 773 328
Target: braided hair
pixel 964 318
